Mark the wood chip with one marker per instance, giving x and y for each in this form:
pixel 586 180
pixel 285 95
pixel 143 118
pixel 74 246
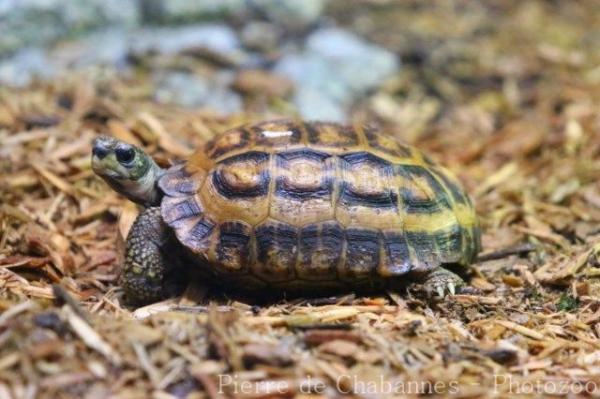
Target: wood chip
pixel 521 329
pixel 89 336
pixel 55 180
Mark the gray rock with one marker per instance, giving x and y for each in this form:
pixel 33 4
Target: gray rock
pixel 290 14
pixel 313 105
pixel 182 11
pixel 194 91
pixel 24 66
pixel 107 48
pixel 319 93
pixel 334 70
pixel 361 65
pixel 217 38
pixel 308 69
pixel 39 22
pixel 260 36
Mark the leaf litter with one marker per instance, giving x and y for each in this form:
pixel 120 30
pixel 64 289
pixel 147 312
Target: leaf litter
pixel 510 104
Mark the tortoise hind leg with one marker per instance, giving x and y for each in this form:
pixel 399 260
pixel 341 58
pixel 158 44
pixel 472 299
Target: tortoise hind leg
pixel 441 281
pixel 150 260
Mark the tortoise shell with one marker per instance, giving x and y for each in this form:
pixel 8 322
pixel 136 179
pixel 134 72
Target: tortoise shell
pixel 294 204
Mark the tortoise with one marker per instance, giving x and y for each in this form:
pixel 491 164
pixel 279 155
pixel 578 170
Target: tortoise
pixel 294 207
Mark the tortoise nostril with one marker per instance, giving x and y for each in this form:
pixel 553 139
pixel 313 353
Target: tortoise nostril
pixel 100 150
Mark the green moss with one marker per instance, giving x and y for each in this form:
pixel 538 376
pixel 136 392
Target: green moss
pixel 567 302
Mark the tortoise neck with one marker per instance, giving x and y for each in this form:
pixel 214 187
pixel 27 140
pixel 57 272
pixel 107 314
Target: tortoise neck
pixel 151 194
pixel 145 190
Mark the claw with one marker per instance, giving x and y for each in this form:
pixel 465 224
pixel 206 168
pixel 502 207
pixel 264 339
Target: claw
pixel 451 287
pixel 440 291
pixel 441 282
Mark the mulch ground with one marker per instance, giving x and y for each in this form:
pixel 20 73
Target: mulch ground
pixel 515 116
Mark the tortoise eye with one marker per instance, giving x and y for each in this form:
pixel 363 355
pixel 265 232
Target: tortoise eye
pixel 125 155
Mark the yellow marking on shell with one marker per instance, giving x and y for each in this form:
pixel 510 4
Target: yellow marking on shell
pixel 408 161
pixel 251 210
pixel 466 216
pixel 420 188
pixel 465 213
pixel 301 214
pixel 365 217
pixel 302 173
pixel 366 179
pixel 429 222
pixel 242 175
pixel 270 195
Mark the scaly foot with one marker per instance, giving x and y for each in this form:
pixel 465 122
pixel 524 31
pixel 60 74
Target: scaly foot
pixel 441 281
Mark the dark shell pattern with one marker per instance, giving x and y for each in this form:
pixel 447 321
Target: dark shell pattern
pixel 294 204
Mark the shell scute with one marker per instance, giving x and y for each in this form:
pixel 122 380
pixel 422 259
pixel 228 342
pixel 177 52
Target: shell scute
pixel 177 210
pixel 386 144
pixel 303 187
pixel 420 192
pixel 276 251
pixel 198 236
pixel 367 193
pixel 321 246
pixel 233 248
pixel 235 139
pixel 237 188
pixel 242 176
pixel 331 135
pixel 178 181
pixel 362 253
pixel 397 255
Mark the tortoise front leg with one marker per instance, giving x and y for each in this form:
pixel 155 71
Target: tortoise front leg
pixel 147 274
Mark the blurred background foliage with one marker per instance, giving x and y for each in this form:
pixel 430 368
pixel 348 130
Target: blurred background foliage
pixel 400 61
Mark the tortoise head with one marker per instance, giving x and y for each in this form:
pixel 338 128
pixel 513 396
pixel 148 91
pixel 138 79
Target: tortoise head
pixel 127 169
